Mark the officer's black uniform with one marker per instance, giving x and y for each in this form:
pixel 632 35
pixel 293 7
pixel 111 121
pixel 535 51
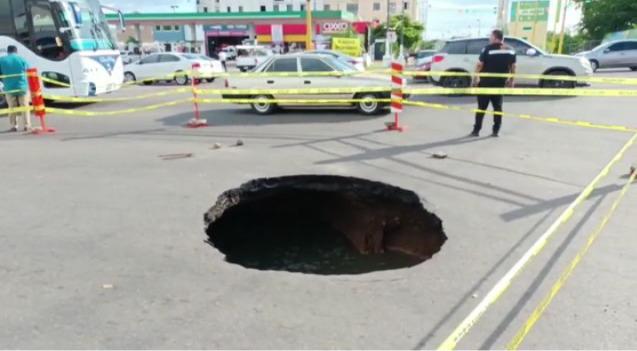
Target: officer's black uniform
pixel 496 58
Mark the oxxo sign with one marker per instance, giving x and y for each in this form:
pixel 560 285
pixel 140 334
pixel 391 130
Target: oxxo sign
pixel 334 27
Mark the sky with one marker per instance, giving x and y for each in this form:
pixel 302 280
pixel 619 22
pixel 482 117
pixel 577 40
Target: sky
pixel 453 18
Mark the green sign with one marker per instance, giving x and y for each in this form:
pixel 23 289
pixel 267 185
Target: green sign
pixel 530 11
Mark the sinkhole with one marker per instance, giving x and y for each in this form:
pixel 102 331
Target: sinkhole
pixel 319 224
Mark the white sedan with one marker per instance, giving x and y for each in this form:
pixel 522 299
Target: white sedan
pixel 307 70
pixel 171 66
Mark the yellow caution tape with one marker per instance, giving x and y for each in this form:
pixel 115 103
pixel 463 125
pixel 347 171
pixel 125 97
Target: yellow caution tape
pixel 451 342
pixel 522 91
pixel 55 82
pixel 292 91
pixel 117 112
pixel 12 75
pixel 588 79
pixel 132 98
pixel 290 101
pixel 537 313
pixel 552 120
pixel 6 111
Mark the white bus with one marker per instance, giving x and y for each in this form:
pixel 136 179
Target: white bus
pixel 68 41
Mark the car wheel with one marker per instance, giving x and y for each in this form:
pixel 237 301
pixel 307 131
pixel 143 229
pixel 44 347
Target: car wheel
pixel 633 68
pixel 261 106
pixel 557 84
pixel 129 77
pixel 595 65
pixel 181 78
pixel 369 105
pixel 456 82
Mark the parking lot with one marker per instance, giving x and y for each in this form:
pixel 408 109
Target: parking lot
pixel 103 244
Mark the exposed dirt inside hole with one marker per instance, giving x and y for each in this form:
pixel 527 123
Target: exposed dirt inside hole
pixel 323 225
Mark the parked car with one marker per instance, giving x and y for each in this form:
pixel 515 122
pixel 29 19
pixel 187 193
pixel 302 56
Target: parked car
pixel 424 56
pixel 250 56
pixel 462 56
pixel 217 66
pixel 231 52
pixel 357 62
pixel 615 54
pixel 129 57
pixel 345 76
pixel 169 66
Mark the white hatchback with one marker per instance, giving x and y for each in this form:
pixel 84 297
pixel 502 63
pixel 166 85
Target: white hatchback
pixel 462 56
pixel 171 66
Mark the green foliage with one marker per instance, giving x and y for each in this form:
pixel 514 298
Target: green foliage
pixel 601 17
pixel 572 43
pixel 412 31
pixel 132 40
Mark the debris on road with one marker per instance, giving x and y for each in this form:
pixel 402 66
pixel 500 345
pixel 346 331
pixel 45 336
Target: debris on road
pixel 440 155
pixel 175 156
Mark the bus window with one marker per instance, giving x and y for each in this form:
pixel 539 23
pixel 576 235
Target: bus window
pixel 46 41
pixel 21 23
pixel 6 28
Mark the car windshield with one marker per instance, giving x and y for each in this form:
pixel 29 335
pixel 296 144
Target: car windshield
pixel 424 54
pixel 192 57
pixel 341 66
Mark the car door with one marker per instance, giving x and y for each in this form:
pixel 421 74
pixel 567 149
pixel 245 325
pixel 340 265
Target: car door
pixel 284 76
pixel 146 67
pixel 525 63
pixel 613 56
pixel 630 58
pixel 316 65
pixel 169 64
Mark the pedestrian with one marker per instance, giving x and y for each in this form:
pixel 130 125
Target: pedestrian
pixel 495 58
pixel 223 57
pixel 13 68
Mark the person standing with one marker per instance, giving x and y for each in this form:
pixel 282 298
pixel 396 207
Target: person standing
pixel 14 69
pixel 223 57
pixel 495 58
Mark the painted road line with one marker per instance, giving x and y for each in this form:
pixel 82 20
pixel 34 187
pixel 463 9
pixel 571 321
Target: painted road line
pixel 515 343
pixel 451 342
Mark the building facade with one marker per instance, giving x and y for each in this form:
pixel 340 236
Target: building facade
pixel 217 6
pixel 364 10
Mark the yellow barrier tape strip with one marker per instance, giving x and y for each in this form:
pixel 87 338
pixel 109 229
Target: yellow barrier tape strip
pixel 589 79
pixel 289 101
pixel 292 91
pixel 7 111
pixel 132 98
pixel 117 112
pixel 9 92
pixel 451 342
pixel 522 91
pixel 12 75
pixel 515 343
pixel 551 120
pixel 55 82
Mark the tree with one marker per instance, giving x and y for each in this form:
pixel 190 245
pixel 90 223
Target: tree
pixel 403 25
pixel 132 40
pixel 601 17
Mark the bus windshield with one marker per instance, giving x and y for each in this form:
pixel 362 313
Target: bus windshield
pixel 87 26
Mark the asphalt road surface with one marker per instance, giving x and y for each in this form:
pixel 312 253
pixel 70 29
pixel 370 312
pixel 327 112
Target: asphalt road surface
pixel 102 240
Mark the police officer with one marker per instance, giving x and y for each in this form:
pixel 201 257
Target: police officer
pixel 495 58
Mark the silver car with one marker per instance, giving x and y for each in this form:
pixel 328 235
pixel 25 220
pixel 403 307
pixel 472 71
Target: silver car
pixel 615 54
pixel 338 75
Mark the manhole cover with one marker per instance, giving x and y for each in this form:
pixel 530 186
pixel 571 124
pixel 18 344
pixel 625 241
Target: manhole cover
pixel 323 225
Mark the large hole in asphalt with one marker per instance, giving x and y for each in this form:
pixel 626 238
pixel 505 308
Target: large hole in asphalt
pixel 323 225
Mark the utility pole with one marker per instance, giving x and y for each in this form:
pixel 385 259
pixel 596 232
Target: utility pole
pixel 388 53
pixel 561 47
pixel 558 14
pixel 308 23
pixel 402 33
pixel 535 20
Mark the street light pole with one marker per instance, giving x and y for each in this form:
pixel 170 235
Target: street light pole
pixel 388 54
pixel 308 25
pixel 561 46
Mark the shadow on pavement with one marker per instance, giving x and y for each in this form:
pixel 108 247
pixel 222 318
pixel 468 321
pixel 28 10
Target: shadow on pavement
pixel 244 116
